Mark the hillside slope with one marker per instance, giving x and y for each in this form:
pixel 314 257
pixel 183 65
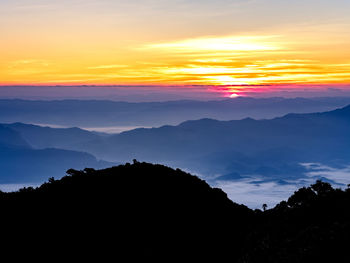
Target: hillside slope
pixel 152 212
pixel 133 211
pixel 20 163
pixel 45 137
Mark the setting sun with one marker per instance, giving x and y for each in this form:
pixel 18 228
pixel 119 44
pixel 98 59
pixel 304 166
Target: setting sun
pixel 234 95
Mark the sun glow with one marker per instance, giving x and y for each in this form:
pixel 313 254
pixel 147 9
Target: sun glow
pixel 218 44
pixel 234 95
pixel 248 60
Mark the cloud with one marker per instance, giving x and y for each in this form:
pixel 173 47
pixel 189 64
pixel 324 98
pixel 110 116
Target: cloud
pixel 15 187
pixel 254 192
pixel 340 175
pixel 218 44
pixel 108 67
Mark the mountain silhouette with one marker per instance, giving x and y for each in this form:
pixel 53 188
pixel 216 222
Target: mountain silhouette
pixel 11 137
pixel 142 211
pixel 21 163
pixel 134 211
pixel 46 137
pixel 93 113
pixel 272 148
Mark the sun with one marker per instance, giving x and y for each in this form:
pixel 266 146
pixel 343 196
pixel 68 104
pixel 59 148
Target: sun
pixel 234 95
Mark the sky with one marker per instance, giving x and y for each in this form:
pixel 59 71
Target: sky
pixel 230 47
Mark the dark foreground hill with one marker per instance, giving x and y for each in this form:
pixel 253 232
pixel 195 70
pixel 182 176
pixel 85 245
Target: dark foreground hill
pixel 132 211
pixel 144 211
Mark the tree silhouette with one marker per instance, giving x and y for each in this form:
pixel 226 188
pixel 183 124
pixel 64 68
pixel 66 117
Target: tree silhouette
pixel 322 188
pixel 264 206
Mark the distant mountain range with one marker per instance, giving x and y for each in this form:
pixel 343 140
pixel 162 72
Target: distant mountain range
pixel 99 113
pixel 21 163
pixel 273 148
pixel 218 150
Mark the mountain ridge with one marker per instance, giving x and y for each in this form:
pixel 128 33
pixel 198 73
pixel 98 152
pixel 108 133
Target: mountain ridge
pixel 23 163
pixel 143 211
pixel 272 148
pixel 96 113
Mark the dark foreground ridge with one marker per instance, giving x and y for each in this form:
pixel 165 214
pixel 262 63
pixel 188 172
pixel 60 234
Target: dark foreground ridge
pixel 145 211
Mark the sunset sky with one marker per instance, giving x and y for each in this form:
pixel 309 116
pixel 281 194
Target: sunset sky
pixel 229 45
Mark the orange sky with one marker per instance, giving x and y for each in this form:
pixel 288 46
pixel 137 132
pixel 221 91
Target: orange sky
pixel 174 42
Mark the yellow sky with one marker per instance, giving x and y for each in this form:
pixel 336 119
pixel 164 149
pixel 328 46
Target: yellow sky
pixel 158 42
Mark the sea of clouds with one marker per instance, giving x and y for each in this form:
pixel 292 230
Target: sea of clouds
pixel 255 191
